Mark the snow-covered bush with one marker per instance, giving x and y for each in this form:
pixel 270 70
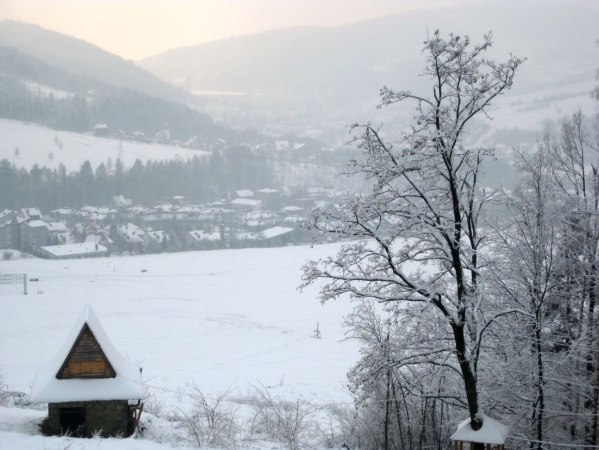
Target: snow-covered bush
pixel 210 421
pixel 291 423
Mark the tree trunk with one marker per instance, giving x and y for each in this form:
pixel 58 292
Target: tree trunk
pixel 468 375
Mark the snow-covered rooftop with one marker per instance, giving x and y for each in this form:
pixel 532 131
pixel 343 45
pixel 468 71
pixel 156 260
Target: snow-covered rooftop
pixel 95 238
pixel 64 211
pixel 127 385
pixel 56 227
pixel 131 232
pixel 37 223
pixel 83 248
pixel 291 209
pixel 245 202
pixel 30 212
pixel 492 432
pixel 274 231
pixel 244 193
pixel 201 235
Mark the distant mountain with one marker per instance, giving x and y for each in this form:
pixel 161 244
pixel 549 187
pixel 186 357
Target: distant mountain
pixel 320 79
pixel 557 37
pixel 78 57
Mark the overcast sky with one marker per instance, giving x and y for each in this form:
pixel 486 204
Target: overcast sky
pixel 135 29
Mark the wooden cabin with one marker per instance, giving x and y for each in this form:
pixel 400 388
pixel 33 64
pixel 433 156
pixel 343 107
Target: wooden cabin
pixel 491 436
pixel 89 386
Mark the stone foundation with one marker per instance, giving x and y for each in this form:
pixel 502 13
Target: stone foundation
pixel 113 417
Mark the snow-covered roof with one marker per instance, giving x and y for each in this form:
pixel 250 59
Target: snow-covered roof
pixel 131 232
pixel 274 232
pixel 268 191
pixel 64 211
pixel 492 432
pixel 201 235
pixel 245 202
pixel 244 193
pixel 31 212
pixel 95 238
pixel 83 248
pixel 291 208
pixel 56 226
pixel 37 223
pixel 126 385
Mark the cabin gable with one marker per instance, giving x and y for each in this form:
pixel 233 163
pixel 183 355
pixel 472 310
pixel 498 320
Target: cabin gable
pixel 86 359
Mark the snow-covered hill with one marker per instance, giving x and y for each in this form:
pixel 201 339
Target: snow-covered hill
pixel 36 142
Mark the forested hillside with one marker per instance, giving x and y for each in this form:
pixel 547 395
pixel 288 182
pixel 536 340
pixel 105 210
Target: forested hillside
pixel 198 179
pixel 32 90
pixel 78 57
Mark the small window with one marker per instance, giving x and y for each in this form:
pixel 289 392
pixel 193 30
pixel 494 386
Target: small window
pixel 72 421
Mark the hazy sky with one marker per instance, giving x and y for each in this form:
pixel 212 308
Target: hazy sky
pixel 135 29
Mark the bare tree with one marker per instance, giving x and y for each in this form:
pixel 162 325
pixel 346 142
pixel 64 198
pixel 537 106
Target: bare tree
pixel 528 271
pixel 423 212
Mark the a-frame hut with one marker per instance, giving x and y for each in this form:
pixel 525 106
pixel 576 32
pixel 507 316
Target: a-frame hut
pixel 89 386
pixel 491 436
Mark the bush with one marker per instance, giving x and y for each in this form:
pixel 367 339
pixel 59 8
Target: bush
pixel 291 423
pixel 7 255
pixel 209 422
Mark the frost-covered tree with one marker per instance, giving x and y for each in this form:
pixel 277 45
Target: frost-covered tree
pixel 527 273
pixel 418 233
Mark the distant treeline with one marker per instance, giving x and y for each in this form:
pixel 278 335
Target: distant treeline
pixel 199 179
pixel 120 108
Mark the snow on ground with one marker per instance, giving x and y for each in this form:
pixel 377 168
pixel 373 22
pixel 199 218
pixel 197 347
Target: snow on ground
pixel 223 318
pixel 36 142
pixel 19 431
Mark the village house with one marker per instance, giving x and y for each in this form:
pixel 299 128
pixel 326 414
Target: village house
pixel 30 213
pixel 269 196
pixel 57 232
pixel 10 229
pixel 275 236
pixel 72 251
pixel 155 241
pixel 99 238
pixel 245 203
pixel 200 239
pixel 34 234
pixel 132 237
pixel 101 129
pixel 244 193
pixel 88 385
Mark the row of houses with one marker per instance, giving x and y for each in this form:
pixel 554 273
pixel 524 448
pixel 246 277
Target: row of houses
pixel 164 137
pixel 90 231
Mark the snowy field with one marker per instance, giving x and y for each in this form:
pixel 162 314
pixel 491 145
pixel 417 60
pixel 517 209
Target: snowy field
pixel 36 142
pixel 226 318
